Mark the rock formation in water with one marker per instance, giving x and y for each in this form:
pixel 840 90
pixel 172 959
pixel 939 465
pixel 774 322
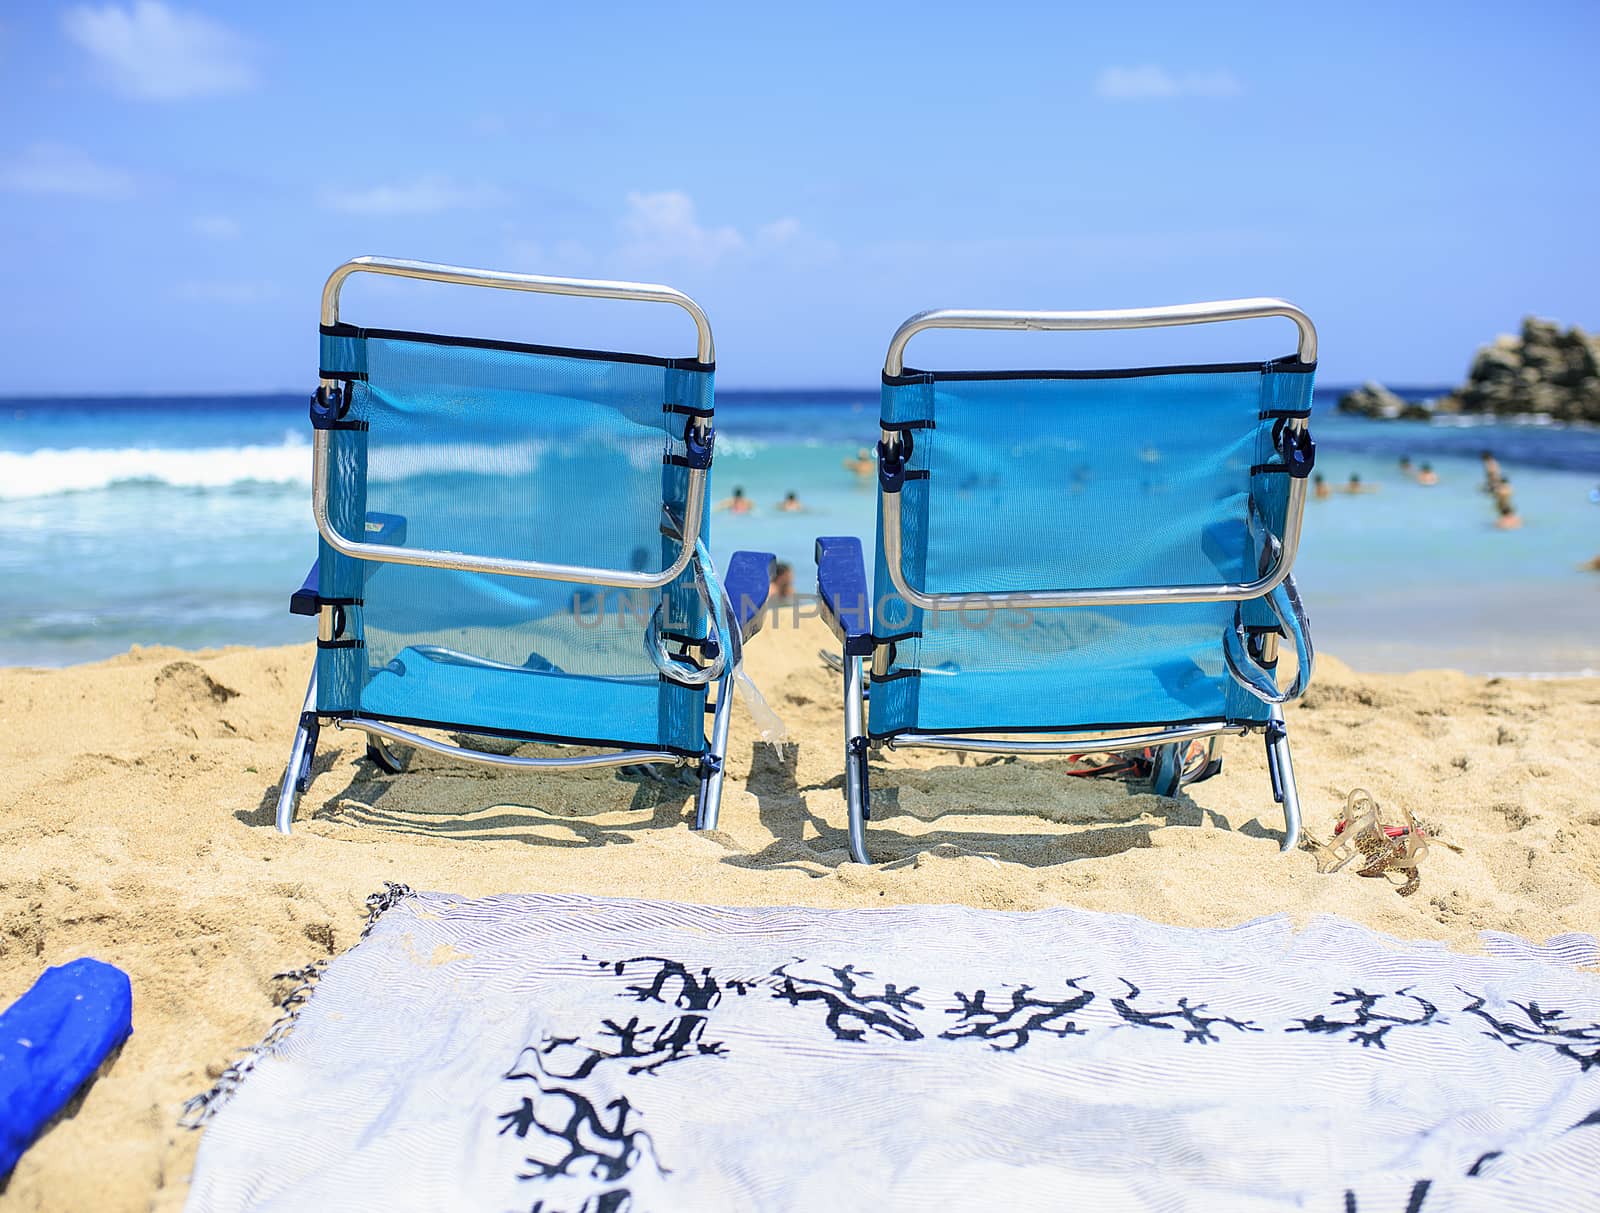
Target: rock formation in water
pixel 1378 402
pixel 1544 370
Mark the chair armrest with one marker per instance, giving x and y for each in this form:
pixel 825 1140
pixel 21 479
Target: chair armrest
pixel 747 582
pixel 842 586
pixel 381 528
pixel 304 600
pixel 386 528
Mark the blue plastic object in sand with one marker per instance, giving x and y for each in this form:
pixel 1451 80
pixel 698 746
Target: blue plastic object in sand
pixel 52 1041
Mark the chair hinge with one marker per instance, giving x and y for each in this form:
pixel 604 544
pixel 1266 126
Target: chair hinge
pixel 699 440
pixel 892 460
pixel 1299 451
pixel 328 408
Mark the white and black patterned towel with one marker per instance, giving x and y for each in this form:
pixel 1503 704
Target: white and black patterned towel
pixel 563 1053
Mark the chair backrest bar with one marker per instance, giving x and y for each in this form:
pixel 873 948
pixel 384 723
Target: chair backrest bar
pixel 592 288
pixel 1117 318
pixel 1129 318
pixel 705 352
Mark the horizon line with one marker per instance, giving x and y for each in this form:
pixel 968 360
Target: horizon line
pixel 155 394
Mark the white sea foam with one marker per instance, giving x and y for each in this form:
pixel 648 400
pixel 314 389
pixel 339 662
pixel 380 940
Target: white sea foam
pixel 47 472
pixel 523 458
pixel 1541 421
pixel 744 448
pixel 52 471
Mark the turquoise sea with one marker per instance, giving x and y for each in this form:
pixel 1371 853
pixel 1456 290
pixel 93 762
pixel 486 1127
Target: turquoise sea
pixel 186 521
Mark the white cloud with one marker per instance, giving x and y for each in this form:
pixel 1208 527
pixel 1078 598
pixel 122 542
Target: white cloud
pixel 1149 82
pixel 215 227
pixel 794 243
pixel 157 53
pixel 425 196
pixel 779 231
pixel 662 227
pixel 55 168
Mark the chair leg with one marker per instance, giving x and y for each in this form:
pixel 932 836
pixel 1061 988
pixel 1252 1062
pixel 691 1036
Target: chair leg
pixel 297 775
pixel 1172 769
pixel 1281 770
pixel 381 756
pixel 708 799
pixel 857 789
pixel 1166 769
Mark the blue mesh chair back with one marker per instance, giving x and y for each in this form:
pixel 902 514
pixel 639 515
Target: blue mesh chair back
pixel 524 452
pixel 1020 481
pixel 1098 558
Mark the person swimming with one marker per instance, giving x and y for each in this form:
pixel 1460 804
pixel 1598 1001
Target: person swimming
pixel 1509 519
pixel 782 587
pixel 1354 486
pixel 1492 475
pixel 791 503
pixel 1320 486
pixel 1405 465
pixel 1426 474
pixel 737 504
pixel 863 465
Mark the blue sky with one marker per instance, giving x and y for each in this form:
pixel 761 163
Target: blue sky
pixel 176 180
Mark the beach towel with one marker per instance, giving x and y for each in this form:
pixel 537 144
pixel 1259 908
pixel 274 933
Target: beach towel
pixel 568 1053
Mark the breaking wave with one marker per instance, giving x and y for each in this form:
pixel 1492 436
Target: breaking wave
pixel 48 472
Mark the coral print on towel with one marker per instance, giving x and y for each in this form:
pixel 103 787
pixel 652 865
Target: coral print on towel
pixel 566 1134
pixel 577 1128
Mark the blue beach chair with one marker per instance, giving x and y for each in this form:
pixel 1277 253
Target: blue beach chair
pixel 513 545
pixel 1080 561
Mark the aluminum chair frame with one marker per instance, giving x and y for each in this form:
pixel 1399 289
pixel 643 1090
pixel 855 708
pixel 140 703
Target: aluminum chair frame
pixel 1170 744
pixel 745 618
